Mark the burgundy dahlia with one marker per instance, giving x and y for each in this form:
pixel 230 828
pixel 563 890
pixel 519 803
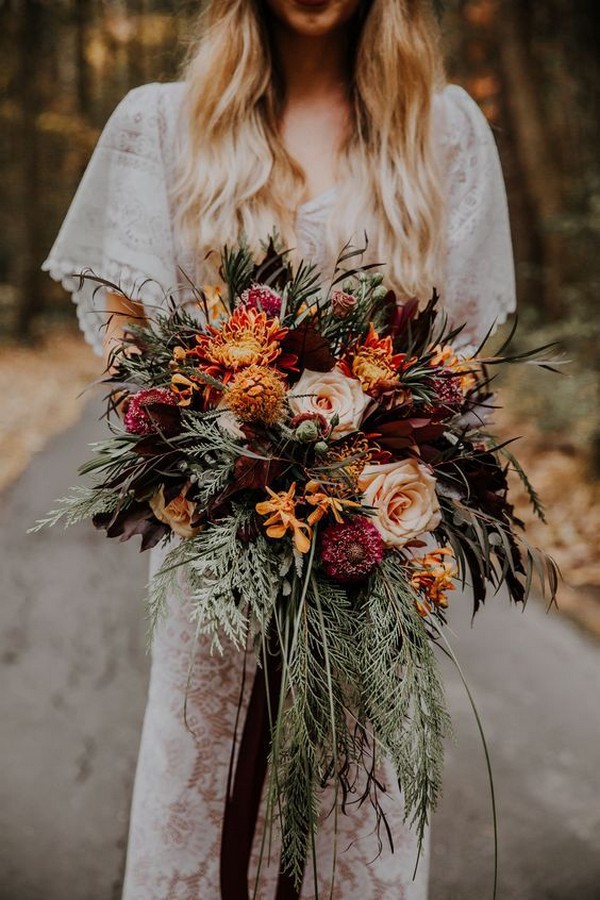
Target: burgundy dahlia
pixel 352 550
pixel 260 296
pixel 138 418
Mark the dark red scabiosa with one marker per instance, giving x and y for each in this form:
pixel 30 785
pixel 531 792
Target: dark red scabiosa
pixel 261 296
pixel 139 417
pixel 352 550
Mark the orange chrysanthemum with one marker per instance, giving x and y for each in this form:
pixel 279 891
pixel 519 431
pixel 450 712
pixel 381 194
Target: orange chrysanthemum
pixel 281 512
pixel 444 356
pixel 324 502
pixel 432 576
pixel 256 394
pixel 248 338
pixel 374 363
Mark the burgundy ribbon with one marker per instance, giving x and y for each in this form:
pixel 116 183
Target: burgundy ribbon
pixel 243 800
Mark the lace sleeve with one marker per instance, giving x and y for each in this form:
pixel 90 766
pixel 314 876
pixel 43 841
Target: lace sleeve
pixel 479 289
pixel 119 223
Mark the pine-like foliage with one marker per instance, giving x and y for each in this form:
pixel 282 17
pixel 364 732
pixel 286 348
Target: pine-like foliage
pixel 230 583
pixel 403 693
pixel 81 504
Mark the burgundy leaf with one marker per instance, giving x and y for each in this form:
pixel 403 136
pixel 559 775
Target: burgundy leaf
pixel 272 270
pixel 403 433
pixel 249 474
pixel 135 519
pixel 310 347
pixel 165 416
pixel 402 315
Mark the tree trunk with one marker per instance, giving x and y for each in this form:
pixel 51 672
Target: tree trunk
pixel 533 145
pixel 30 291
pixel 82 14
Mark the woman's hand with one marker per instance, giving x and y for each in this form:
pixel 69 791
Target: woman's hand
pixel 122 313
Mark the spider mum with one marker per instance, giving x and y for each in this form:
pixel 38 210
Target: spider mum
pixel 256 394
pixel 352 550
pixel 248 338
pixel 374 363
pixel 343 463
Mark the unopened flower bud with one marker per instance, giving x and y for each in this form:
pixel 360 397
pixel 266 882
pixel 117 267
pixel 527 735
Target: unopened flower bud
pixel 380 292
pixel 321 448
pixel 307 431
pixel 377 279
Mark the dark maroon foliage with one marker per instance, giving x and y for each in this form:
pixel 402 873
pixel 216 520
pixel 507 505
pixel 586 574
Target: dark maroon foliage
pixel 137 518
pixel 310 347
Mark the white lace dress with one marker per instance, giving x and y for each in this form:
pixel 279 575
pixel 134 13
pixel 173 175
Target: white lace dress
pixel 120 225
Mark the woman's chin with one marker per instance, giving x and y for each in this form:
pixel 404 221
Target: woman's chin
pixel 313 18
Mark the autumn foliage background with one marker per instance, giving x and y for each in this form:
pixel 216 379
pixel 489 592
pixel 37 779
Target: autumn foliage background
pixel 533 66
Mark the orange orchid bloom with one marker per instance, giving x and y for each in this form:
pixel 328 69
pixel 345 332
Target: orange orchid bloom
pixel 433 576
pixel 445 356
pixel 324 503
pixel 183 388
pixel 281 512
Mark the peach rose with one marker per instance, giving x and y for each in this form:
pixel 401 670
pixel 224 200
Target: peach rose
pixel 330 393
pixel 403 493
pixel 178 514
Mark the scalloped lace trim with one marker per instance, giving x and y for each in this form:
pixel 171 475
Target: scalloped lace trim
pixel 88 297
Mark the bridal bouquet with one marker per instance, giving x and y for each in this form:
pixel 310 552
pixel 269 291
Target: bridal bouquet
pixel 323 456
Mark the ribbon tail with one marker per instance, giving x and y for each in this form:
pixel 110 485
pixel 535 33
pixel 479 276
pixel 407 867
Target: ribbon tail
pixel 243 801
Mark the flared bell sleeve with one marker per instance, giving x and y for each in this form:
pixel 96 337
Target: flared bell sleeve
pixel 119 224
pixel 479 287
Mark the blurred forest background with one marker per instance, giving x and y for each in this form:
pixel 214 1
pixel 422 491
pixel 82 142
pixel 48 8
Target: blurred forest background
pixel 534 68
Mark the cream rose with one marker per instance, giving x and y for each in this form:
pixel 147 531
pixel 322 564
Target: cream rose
pixel 330 393
pixel 403 493
pixel 178 514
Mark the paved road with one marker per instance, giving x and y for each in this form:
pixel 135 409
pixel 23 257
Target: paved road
pixel 73 673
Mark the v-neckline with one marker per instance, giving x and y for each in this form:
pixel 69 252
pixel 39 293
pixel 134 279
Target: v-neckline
pixel 317 202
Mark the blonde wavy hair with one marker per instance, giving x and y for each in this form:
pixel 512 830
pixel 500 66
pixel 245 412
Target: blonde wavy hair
pixel 235 176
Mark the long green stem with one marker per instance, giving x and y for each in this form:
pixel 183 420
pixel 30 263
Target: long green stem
pixel 333 728
pixel 488 763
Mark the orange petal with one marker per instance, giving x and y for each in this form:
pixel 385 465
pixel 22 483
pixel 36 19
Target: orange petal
pixel 301 542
